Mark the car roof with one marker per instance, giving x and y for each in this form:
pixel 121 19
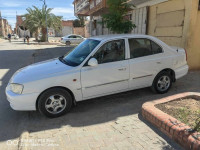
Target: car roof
pixel 115 36
pixel 73 34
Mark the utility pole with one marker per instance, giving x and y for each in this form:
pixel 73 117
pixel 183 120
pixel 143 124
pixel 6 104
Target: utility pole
pixel 46 17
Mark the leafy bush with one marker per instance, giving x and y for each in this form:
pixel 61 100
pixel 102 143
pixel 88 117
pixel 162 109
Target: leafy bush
pixel 115 19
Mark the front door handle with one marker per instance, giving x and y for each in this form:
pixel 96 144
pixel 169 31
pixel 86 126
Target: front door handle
pixel 122 69
pixel 158 62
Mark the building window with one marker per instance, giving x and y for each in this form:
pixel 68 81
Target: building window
pixel 130 17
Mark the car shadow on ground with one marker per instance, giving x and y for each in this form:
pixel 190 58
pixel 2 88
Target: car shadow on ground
pixel 86 113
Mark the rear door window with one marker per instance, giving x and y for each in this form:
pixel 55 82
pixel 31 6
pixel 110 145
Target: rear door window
pixel 143 47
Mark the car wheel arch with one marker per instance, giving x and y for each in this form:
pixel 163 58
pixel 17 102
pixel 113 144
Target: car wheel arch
pixel 61 87
pixel 171 71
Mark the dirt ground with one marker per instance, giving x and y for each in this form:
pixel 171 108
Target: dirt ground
pixel 185 110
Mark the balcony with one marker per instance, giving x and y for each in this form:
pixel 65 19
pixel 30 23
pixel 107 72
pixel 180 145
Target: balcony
pixel 97 6
pixel 81 5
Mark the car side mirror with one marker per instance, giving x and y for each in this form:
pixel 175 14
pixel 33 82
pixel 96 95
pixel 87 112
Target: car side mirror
pixel 93 62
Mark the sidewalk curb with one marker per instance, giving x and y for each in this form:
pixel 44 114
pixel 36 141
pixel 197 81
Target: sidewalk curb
pixel 23 141
pixel 1 40
pixel 170 126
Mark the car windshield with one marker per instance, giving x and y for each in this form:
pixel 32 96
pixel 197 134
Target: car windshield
pixel 79 53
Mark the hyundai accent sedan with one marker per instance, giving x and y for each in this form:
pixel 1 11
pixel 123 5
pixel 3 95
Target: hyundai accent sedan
pixel 97 67
pixel 72 39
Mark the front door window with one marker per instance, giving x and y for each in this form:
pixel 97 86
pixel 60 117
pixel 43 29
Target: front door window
pixel 111 52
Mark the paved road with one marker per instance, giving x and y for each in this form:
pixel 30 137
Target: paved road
pixel 14 56
pixel 111 122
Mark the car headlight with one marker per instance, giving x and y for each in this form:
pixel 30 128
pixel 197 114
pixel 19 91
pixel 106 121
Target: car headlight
pixel 16 88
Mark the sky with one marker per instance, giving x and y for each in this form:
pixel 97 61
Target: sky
pixel 9 8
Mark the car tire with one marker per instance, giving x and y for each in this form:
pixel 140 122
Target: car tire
pixel 68 43
pixel 162 83
pixel 55 102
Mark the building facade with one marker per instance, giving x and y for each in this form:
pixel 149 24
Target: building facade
pixel 176 22
pixel 21 30
pixel 5 28
pixel 66 29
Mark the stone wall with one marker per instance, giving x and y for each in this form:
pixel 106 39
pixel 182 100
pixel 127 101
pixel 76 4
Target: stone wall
pixel 79 31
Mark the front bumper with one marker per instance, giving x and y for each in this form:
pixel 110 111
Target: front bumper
pixel 22 102
pixel 63 41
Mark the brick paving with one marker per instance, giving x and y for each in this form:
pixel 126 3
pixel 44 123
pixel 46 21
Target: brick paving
pixel 125 133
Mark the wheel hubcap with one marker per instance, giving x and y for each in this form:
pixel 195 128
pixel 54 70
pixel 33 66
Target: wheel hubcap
pixel 163 83
pixel 55 104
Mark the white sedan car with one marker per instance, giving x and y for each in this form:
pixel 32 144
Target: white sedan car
pixel 72 39
pixel 15 36
pixel 97 67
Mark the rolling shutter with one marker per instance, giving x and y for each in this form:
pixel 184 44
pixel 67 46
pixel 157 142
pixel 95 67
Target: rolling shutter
pixel 139 18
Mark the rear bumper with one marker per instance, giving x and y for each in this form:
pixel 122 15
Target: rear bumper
pixel 182 71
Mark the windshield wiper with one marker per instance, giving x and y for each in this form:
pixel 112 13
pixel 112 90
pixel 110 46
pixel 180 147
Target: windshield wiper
pixel 62 60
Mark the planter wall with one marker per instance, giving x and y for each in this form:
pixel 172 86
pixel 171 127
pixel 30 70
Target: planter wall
pixel 171 126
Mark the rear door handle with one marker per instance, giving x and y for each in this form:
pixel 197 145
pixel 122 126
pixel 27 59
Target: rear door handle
pixel 122 69
pixel 158 62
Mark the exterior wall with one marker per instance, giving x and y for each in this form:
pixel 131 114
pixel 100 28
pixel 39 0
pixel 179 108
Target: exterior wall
pixel 193 44
pixel 66 30
pixel 87 29
pixel 166 21
pixel 23 33
pixel 177 22
pixel 79 31
pixel 2 29
pixel 5 28
pixel 67 27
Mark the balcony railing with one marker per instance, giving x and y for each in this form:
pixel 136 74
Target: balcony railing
pixel 94 3
pixel 98 1
pixel 81 5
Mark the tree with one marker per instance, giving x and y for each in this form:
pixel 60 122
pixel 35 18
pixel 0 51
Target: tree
pixel 79 22
pixel 35 21
pixel 115 19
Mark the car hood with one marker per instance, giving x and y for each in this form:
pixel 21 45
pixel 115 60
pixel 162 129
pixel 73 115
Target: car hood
pixel 40 70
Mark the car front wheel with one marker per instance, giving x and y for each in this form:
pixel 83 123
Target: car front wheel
pixel 55 102
pixel 162 83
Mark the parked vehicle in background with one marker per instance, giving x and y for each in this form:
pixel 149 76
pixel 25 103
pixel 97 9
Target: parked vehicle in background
pixel 97 67
pixel 15 36
pixel 72 39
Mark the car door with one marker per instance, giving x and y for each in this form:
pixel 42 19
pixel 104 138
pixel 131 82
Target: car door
pixel 72 39
pixel 110 75
pixel 79 39
pixel 146 60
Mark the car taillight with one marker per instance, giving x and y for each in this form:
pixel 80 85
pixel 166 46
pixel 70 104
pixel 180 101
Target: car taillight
pixel 186 54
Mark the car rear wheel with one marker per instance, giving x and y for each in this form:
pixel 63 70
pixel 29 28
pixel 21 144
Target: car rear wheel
pixel 55 102
pixel 162 83
pixel 68 43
